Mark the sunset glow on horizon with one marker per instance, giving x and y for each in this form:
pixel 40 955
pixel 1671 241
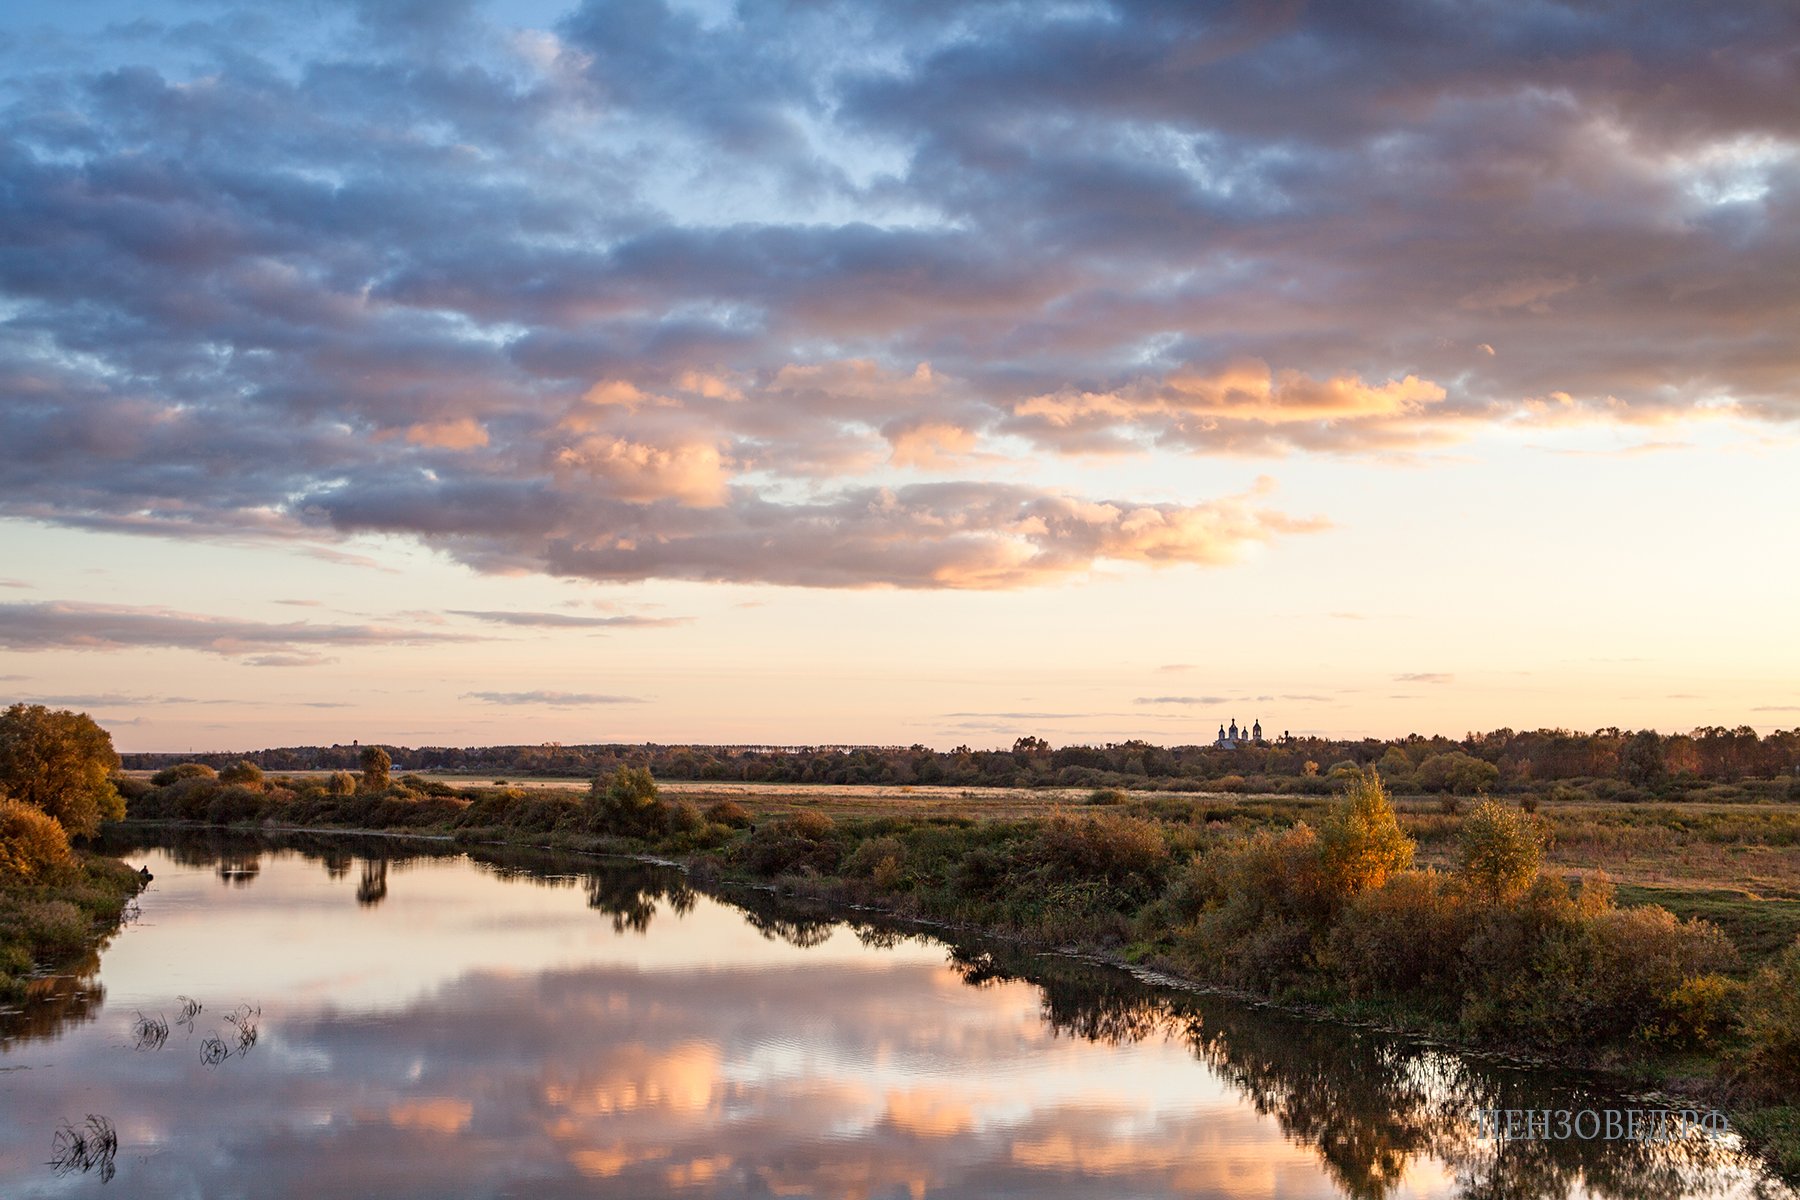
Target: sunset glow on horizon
pixel 743 373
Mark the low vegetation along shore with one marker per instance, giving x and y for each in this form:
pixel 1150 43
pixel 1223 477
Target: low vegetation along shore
pixel 58 904
pixel 1463 920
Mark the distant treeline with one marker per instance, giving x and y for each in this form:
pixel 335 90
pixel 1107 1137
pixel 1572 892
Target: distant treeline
pixel 1606 761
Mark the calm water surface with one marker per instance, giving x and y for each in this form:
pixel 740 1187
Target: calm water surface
pixel 427 1023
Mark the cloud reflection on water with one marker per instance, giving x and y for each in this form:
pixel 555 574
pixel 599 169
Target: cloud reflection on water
pixel 722 1067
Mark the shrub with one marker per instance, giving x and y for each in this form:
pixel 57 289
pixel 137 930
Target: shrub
pixel 1127 854
pixel 1248 909
pixel 1401 938
pixel 811 824
pixel 1456 772
pixel 341 783
pixel 803 844
pixel 33 844
pixel 626 804
pixel 1771 1024
pixel 233 804
pixel 1361 842
pixel 1502 849
pixel 1694 1013
pixel 180 771
pixel 730 814
pixel 882 859
pixel 686 818
pixel 55 928
pixel 1105 796
pixel 244 773
pixel 375 764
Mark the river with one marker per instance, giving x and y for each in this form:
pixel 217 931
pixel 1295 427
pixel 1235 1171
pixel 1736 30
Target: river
pixel 403 1019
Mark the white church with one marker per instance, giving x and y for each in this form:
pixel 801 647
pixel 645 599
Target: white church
pixel 1231 739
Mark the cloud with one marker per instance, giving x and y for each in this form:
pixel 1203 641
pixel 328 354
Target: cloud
pixel 72 625
pixel 111 699
pixel 550 699
pixel 651 297
pixel 1206 700
pixel 13 583
pixel 1776 708
pixel 1424 677
pixel 566 621
pixel 1022 716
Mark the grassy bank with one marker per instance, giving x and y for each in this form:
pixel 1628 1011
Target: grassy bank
pixel 1484 924
pixel 54 924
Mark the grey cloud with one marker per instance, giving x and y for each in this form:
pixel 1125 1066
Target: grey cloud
pixel 1182 700
pixel 72 625
pixel 260 289
pixel 550 699
pixel 1023 716
pixel 565 620
pixel 108 699
pixel 1424 677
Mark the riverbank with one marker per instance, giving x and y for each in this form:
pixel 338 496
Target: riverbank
pixel 1236 899
pixel 52 926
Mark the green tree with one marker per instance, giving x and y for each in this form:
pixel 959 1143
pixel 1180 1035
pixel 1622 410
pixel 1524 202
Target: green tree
pixel 627 803
pixel 1361 842
pixel 1502 850
pixel 1641 761
pixel 60 762
pixel 375 767
pixel 1457 772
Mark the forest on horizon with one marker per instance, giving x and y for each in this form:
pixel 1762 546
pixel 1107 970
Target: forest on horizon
pixel 1609 763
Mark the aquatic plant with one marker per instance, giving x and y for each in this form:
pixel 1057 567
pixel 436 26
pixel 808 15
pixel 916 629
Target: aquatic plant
pixel 92 1145
pixel 190 1009
pixel 150 1032
pixel 244 1019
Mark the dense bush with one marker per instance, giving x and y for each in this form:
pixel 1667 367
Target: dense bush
pixel 33 844
pixel 1457 772
pixel 626 804
pixel 376 764
pixel 1771 1023
pixel 180 771
pixel 803 844
pixel 243 772
pixel 1401 938
pixel 730 814
pixel 1126 855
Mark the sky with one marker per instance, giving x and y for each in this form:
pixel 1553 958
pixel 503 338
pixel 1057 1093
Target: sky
pixel 892 373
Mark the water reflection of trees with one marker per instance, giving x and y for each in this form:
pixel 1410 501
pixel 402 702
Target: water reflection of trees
pixel 55 1002
pixel 371 889
pixel 631 893
pixel 1368 1104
